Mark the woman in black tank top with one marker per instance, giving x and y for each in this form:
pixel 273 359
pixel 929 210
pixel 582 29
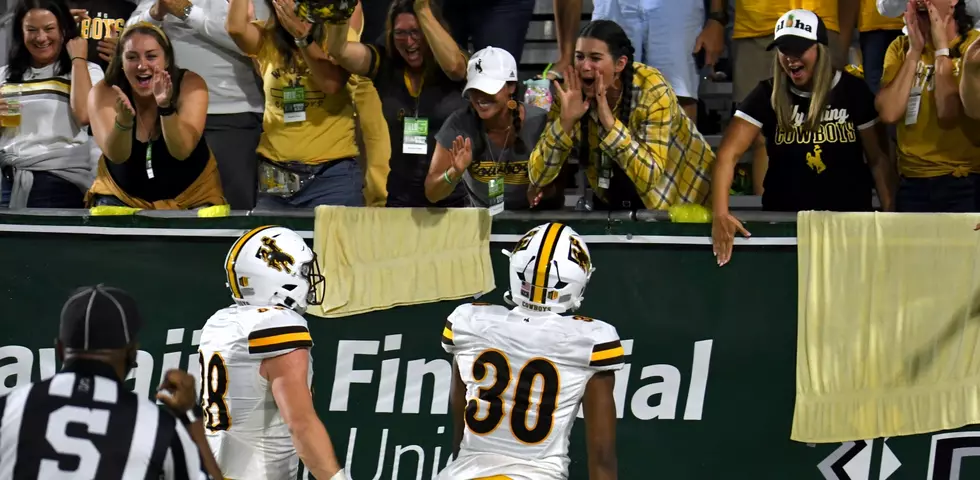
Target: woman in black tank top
pixel 149 120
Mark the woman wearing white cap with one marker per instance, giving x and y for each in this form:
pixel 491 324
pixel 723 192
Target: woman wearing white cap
pixel 819 123
pixel 487 144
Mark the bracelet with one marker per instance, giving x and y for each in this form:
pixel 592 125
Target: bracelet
pixel 445 176
pixel 120 127
pixel 942 52
pixel 301 42
pixel 79 58
pixel 166 111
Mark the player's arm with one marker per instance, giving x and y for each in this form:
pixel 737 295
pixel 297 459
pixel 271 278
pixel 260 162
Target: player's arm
pixel 457 399
pixel 288 375
pixel 600 425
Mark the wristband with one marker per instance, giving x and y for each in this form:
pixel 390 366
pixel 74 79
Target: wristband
pixel 79 58
pixel 121 127
pixel 445 176
pixel 166 111
pixel 301 42
pixel 942 52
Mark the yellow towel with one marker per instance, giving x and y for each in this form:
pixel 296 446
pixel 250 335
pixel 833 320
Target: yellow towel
pixel 378 258
pixel 889 325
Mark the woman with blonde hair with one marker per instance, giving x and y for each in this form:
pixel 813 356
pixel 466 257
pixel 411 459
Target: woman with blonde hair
pixel 819 123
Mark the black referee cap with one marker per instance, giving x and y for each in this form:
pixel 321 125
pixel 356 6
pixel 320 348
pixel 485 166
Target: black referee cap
pixel 99 318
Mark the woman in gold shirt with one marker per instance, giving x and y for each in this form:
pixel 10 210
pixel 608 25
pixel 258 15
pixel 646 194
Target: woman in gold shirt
pixel 308 146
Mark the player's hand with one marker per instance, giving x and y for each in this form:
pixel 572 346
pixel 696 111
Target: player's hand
pixel 178 390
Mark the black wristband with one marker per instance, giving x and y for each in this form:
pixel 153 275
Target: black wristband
pixel 166 111
pixel 720 17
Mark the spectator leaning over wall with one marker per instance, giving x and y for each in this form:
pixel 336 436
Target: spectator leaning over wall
pixel 418 70
pixel 938 151
pixel 148 118
pixel 308 149
pixel 234 122
pixel 819 123
pixel 640 149
pixel 44 148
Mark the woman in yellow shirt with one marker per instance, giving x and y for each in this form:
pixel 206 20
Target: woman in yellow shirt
pixel 308 149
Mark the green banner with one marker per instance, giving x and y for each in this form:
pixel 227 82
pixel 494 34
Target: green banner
pixel 707 392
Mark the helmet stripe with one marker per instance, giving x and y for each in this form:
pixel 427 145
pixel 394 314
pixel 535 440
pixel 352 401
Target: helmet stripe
pixel 233 255
pixel 542 267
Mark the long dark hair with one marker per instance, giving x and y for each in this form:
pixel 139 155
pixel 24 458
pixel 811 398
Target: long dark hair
pixel 964 23
pixel 519 146
pixel 619 45
pixel 397 8
pixel 114 74
pixel 283 40
pixel 18 57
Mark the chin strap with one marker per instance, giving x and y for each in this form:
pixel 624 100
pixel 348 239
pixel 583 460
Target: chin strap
pixel 508 300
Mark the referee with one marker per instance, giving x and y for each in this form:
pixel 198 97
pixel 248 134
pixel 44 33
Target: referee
pixel 83 423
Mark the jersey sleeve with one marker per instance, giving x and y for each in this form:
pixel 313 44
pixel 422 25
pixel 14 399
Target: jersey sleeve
pixel 607 350
pixel 278 332
pixel 455 323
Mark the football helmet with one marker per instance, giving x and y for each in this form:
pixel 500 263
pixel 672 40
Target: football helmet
pixel 549 269
pixel 271 266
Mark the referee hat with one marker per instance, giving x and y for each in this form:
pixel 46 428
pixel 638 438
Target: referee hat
pixel 99 317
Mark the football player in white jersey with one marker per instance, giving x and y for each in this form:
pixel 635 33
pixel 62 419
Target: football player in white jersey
pixel 520 375
pixel 256 368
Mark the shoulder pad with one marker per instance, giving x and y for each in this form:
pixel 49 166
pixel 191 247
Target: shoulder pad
pixel 276 330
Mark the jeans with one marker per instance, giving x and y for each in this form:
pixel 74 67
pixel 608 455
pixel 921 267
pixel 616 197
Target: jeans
pixel 233 139
pixel 341 182
pixel 48 191
pixel 874 44
pixel 500 23
pixel 945 194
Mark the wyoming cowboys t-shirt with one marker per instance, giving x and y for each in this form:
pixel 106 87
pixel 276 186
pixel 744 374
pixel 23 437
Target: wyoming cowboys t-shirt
pixel 489 162
pixel 816 170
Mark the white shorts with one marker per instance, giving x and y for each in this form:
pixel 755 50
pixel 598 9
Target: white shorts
pixel 663 33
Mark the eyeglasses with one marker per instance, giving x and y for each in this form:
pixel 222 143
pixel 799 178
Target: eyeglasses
pixel 403 34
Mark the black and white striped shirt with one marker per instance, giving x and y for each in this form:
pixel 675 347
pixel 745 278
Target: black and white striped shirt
pixel 84 424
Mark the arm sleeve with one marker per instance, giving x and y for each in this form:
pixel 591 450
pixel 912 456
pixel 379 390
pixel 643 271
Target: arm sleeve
pixel 142 14
pixel 552 150
pixel 892 8
pixel 865 113
pixel 607 349
pixel 278 332
pixel 894 58
pixel 451 128
pixel 211 24
pixel 454 332
pixel 757 106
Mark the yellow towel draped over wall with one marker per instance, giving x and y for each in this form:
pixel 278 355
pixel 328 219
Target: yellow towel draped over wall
pixel 378 258
pixel 889 325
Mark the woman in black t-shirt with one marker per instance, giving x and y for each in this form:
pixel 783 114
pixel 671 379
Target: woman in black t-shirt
pixel 820 124
pixel 419 73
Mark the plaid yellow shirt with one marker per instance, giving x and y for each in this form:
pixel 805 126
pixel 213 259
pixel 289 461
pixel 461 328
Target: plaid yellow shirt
pixel 660 150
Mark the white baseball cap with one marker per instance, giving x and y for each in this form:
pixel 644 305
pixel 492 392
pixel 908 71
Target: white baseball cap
pixel 489 70
pixel 798 30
